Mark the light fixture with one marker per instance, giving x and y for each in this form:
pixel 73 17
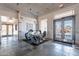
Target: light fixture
pixel 61 5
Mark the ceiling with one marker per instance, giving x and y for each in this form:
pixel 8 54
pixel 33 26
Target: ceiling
pixel 36 9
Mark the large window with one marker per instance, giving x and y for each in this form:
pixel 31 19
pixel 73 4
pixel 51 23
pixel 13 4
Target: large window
pixel 64 29
pixel 8 26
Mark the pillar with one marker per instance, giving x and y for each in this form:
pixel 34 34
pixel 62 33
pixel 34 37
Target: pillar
pixel 18 17
pixel 37 23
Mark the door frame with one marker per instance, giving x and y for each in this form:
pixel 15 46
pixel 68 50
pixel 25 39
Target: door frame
pixel 73 32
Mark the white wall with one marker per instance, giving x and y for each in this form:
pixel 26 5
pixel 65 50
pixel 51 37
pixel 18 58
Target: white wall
pixel 43 25
pixel 50 18
pixel 22 28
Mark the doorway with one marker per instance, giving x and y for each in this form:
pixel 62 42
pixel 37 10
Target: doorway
pixel 7 30
pixel 64 29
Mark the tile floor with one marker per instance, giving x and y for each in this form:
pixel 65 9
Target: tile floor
pixel 10 46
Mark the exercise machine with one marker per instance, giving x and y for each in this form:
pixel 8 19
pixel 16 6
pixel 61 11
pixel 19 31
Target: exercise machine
pixel 35 39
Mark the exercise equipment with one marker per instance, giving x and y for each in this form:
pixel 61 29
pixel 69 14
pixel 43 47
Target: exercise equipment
pixel 35 40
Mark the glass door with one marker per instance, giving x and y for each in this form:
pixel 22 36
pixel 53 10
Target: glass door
pixel 7 30
pixel 10 30
pixel 58 30
pixel 4 30
pixel 69 29
pixel 64 30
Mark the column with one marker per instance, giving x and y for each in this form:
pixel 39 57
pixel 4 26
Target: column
pixel 18 17
pixel 37 23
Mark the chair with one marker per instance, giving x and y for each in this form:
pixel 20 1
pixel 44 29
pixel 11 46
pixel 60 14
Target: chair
pixel 44 34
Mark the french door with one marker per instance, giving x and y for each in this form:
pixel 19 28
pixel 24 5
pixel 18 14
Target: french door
pixel 64 29
pixel 7 30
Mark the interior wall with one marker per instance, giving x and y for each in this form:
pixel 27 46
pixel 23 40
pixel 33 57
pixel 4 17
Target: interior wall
pixel 23 28
pixel 43 25
pixel 50 18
